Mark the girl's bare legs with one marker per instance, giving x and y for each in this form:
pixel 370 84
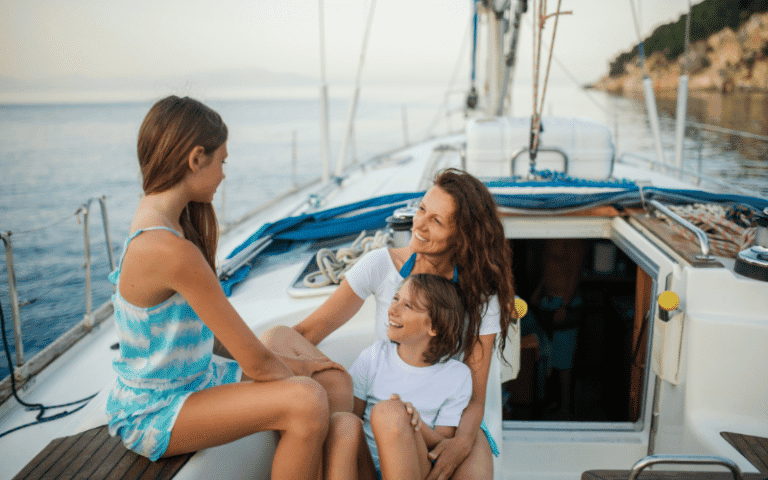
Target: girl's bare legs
pixel 479 464
pixel 346 454
pixel 296 407
pixel 402 450
pixel 288 342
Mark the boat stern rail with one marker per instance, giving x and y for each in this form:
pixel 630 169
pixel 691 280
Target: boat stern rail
pixel 26 369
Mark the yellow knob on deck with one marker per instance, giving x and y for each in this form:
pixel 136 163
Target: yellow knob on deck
pixel 521 308
pixel 668 300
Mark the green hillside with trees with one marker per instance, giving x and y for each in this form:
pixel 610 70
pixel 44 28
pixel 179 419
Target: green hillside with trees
pixel 707 18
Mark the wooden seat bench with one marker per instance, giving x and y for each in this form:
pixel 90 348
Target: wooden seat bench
pixel 94 454
pixel 754 449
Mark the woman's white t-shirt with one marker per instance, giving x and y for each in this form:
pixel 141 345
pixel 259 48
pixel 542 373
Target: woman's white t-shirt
pixel 375 274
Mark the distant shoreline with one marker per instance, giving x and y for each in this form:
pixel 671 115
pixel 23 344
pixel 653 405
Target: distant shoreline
pixel 724 62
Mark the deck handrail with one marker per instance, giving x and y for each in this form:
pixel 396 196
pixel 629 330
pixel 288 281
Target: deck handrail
pixel 25 369
pixel 685 460
pixel 702 237
pixel 698 176
pixel 87 242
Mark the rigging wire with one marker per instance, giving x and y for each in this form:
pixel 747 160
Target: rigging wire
pixel 636 21
pixel 41 418
pixel 52 224
pixel 537 42
pixel 572 78
pixel 444 105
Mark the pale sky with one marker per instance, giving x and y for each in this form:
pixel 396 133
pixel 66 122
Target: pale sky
pixel 411 40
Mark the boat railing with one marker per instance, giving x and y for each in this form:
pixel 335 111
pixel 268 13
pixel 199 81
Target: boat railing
pixel 643 463
pixel 703 240
pixel 697 176
pixel 26 369
pixel 523 150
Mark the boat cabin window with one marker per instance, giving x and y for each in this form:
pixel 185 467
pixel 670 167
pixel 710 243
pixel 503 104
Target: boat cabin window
pixel 584 339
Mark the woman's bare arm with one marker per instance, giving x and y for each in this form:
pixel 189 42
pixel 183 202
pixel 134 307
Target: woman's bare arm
pixel 342 305
pixel 452 451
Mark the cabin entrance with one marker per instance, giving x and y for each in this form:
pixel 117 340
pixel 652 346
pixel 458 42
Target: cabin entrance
pixel 584 339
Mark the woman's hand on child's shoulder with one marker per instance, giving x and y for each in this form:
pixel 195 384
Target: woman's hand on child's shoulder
pixel 416 422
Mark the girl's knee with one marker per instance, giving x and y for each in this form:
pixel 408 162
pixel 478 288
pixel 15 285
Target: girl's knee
pixel 335 382
pixel 276 335
pixel 390 417
pixel 345 428
pixel 307 402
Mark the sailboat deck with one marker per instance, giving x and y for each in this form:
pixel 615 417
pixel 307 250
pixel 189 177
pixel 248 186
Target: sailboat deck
pixel 684 247
pixel 754 449
pixel 95 454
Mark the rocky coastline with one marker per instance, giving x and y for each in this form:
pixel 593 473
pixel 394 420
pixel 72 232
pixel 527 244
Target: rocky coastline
pixel 724 62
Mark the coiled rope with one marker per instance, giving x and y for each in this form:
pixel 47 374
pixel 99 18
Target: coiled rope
pixel 729 230
pixel 332 266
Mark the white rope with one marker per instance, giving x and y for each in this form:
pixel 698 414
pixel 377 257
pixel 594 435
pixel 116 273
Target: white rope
pixel 332 266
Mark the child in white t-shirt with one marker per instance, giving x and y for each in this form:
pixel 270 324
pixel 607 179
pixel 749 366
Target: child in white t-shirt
pixel 408 391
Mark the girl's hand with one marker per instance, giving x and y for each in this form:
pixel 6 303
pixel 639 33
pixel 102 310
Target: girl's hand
pixel 307 366
pixel 416 422
pixel 447 456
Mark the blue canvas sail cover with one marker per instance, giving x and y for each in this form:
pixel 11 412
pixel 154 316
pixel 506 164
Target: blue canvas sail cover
pixel 335 222
pixel 371 214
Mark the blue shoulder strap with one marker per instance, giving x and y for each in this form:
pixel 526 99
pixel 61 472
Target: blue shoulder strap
pixel 405 270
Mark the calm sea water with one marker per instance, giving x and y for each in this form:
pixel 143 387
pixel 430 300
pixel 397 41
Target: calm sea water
pixel 53 158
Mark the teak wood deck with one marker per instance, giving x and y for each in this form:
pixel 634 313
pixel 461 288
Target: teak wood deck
pixel 754 449
pixel 94 454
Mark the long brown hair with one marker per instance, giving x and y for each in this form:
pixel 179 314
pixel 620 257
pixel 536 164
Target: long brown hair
pixel 482 253
pixel 171 130
pixel 438 296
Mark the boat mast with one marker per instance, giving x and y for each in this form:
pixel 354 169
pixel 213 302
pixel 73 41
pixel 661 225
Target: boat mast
pixel 324 129
pixel 522 7
pixel 499 66
pixel 495 74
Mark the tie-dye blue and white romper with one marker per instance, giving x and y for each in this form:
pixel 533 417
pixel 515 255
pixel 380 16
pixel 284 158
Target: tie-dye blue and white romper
pixel 165 356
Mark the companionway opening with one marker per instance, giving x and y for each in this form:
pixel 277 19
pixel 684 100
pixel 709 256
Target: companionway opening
pixel 584 339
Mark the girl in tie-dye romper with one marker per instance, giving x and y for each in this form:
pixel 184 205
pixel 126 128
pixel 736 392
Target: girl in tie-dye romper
pixel 171 396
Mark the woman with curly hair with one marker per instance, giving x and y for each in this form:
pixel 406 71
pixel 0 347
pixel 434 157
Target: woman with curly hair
pixel 456 234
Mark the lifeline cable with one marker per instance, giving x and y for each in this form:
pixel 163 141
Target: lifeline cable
pixel 33 406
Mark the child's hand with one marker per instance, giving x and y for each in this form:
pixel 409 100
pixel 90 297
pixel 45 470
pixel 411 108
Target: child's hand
pixel 415 417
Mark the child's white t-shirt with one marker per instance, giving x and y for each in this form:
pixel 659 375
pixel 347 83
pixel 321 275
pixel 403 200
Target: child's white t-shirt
pixel 439 392
pixel 375 274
